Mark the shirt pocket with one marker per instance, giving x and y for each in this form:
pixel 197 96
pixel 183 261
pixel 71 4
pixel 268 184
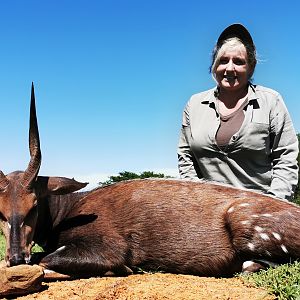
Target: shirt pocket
pixel 257 137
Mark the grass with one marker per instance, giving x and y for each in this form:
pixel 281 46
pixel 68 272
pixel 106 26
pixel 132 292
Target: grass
pixel 2 246
pixel 282 281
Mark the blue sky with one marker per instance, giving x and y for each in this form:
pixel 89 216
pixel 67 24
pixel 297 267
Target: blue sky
pixel 112 77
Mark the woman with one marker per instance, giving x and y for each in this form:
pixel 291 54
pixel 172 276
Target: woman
pixel 239 133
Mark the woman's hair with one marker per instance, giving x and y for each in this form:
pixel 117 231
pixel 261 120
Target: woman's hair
pixel 233 42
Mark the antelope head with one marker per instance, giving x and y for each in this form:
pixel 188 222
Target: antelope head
pixel 18 200
pixel 22 195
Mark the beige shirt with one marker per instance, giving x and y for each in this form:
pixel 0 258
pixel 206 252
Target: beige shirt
pixel 261 155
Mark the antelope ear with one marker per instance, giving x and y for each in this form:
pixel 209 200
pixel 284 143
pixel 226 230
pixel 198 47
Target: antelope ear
pixel 57 185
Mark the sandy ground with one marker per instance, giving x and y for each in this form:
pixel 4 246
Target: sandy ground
pixel 149 286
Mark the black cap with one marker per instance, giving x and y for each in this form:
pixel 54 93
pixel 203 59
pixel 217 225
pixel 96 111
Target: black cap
pixel 239 31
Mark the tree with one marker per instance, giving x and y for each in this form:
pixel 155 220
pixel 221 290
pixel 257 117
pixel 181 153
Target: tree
pixel 126 175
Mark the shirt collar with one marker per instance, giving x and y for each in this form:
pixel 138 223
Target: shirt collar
pixel 252 97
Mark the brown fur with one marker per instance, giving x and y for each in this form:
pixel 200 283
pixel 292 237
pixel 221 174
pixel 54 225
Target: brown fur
pixel 174 226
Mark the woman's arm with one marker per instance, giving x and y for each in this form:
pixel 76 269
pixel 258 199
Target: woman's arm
pixel 284 152
pixel 185 156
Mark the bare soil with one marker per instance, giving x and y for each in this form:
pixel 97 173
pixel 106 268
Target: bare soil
pixel 149 286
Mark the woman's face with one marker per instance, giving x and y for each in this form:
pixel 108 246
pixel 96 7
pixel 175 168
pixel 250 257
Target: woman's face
pixel 232 70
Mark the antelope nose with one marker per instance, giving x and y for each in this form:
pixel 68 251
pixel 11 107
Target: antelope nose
pixel 16 260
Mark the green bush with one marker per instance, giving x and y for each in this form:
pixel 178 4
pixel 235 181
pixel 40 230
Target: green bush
pixel 126 175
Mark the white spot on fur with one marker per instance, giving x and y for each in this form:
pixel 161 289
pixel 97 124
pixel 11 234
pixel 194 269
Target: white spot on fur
pixel 264 236
pixel 283 247
pixel 47 271
pixel 266 215
pixel 8 225
pixel 262 262
pixel 60 249
pixel 258 228
pixel 27 259
pixel 255 216
pixel 247 264
pixel 245 222
pixel 244 204
pixel 251 246
pixel 231 209
pixel 276 236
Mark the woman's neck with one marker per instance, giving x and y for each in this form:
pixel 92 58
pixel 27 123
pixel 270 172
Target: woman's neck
pixel 230 101
pixel 232 98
